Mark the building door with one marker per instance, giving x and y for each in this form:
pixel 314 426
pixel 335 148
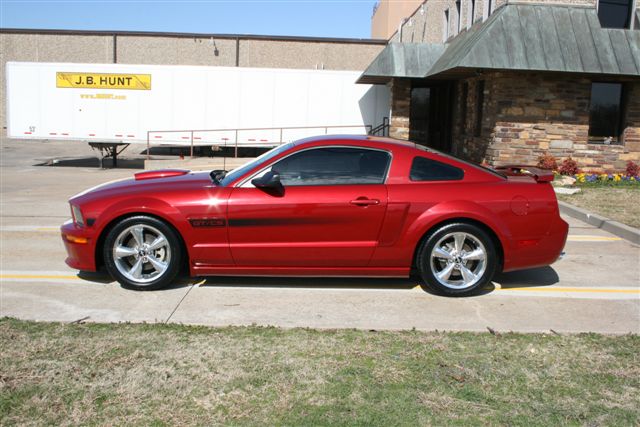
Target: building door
pixel 430 116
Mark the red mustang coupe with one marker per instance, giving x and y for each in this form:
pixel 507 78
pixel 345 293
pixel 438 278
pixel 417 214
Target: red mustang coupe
pixel 327 206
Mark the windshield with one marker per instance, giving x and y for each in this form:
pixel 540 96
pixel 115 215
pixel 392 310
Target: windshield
pixel 238 172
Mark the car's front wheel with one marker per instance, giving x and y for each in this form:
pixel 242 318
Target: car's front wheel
pixel 142 253
pixel 457 259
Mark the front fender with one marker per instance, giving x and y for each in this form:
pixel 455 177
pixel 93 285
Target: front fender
pixel 141 205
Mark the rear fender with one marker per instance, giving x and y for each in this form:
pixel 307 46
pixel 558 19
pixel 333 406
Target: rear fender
pixel 459 209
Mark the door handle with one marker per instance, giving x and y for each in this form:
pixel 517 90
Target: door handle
pixel 363 201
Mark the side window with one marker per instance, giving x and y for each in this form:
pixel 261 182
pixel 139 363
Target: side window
pixel 423 169
pixel 333 166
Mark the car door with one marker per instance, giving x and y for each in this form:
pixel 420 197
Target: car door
pixel 329 213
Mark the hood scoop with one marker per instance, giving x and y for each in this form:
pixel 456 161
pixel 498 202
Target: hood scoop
pixel 160 173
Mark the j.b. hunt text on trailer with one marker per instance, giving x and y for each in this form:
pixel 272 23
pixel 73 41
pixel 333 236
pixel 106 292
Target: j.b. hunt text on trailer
pixel 192 104
pixel 103 81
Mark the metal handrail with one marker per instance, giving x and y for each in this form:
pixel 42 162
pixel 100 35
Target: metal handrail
pixel 384 127
pixel 236 131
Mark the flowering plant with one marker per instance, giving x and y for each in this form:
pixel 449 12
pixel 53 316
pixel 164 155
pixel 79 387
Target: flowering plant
pixel 569 167
pixel 606 178
pixel 632 168
pixel 547 161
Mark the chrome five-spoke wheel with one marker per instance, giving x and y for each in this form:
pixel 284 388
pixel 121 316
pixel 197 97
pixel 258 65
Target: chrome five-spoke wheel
pixel 142 253
pixel 457 259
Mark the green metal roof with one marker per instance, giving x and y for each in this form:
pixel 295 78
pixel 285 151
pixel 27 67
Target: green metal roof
pixel 533 37
pixel 402 60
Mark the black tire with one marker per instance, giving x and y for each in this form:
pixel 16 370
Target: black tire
pixel 142 267
pixel 461 271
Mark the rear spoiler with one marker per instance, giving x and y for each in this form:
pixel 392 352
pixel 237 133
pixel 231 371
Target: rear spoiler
pixel 540 175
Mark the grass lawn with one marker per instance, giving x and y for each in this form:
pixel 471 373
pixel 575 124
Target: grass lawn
pixel 174 375
pixel 620 204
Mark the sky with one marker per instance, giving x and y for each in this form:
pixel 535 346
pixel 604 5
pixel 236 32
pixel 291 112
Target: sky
pixel 318 18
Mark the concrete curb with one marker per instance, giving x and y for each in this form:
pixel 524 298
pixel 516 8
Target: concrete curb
pixel 614 227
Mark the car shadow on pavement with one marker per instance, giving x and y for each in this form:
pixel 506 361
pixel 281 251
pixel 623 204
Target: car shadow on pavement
pixel 532 277
pixel 96 277
pixel 310 282
pixel 103 278
pixel 535 277
pixel 529 278
pixel 93 162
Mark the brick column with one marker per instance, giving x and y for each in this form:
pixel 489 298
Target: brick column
pixel 631 133
pixel 400 108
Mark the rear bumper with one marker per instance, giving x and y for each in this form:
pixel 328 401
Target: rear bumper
pixel 545 251
pixel 80 244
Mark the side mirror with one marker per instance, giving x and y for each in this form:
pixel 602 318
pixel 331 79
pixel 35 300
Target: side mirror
pixel 270 182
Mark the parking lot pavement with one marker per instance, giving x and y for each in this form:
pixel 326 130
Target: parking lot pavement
pixel 596 287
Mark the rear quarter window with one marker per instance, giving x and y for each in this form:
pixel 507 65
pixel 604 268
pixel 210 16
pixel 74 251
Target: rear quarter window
pixel 423 169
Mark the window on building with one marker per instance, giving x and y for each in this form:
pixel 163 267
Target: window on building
pixel 423 169
pixel 458 15
pixel 605 113
pixel 615 13
pixel 445 26
pixel 471 11
pixel 334 166
pixel 479 106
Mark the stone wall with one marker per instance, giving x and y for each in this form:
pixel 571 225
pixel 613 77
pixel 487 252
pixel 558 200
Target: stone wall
pixel 632 120
pixel 400 97
pixel 528 114
pixel 466 142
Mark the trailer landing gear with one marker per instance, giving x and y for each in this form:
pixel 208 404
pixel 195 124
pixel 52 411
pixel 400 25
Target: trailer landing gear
pixel 109 149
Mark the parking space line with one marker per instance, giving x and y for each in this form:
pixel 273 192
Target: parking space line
pixel 37 276
pixel 588 238
pixel 575 290
pixel 31 228
pixel 64 276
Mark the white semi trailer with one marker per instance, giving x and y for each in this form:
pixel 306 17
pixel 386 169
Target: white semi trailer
pixel 186 105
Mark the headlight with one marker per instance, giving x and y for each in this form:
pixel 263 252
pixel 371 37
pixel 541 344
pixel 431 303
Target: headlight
pixel 77 215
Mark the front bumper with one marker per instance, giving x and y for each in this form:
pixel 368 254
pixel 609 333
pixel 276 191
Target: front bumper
pixel 80 243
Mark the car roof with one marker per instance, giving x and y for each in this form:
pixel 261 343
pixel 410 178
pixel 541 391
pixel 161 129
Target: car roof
pixel 391 144
pixel 356 139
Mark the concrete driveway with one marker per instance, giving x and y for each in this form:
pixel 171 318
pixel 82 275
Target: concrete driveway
pixel 595 288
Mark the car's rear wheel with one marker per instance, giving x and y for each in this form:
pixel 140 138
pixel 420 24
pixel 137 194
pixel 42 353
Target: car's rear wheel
pixel 142 253
pixel 457 259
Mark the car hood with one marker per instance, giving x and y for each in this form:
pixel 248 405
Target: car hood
pixel 147 181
